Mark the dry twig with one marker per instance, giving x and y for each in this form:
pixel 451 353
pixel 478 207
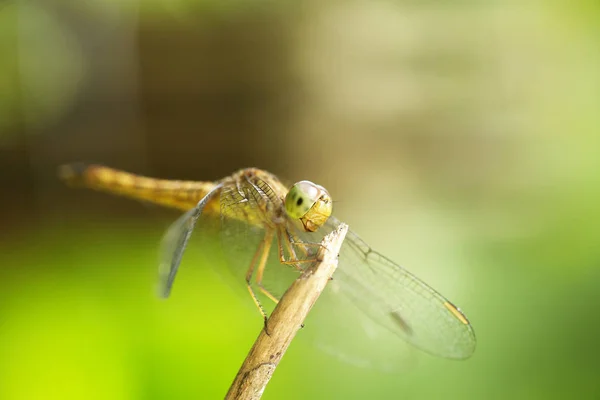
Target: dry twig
pixel 285 321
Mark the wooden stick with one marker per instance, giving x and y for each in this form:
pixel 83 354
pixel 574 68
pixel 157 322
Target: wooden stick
pixel 285 321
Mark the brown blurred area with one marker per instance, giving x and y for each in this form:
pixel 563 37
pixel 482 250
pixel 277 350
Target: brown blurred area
pixel 459 139
pixel 196 99
pixel 390 103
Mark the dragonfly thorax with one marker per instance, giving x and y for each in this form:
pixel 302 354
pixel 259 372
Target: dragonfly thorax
pixel 309 203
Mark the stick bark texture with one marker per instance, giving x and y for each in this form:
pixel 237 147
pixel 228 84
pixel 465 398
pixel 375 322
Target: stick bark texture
pixel 287 318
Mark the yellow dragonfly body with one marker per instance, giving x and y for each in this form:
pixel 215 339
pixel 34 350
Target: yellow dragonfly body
pixel 258 211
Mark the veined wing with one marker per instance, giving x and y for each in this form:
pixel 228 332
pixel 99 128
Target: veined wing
pixel 250 210
pixel 399 301
pixel 175 241
pixel 385 292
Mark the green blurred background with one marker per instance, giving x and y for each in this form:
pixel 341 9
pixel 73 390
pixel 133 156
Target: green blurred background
pixel 460 139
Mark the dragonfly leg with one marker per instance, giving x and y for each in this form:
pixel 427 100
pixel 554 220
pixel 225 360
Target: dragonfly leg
pixel 260 252
pixel 302 246
pixel 263 250
pixel 267 241
pixel 284 239
pixel 280 243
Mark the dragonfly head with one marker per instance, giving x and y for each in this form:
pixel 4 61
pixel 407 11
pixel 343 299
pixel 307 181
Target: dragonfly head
pixel 310 203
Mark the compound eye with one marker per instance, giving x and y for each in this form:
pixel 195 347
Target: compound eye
pixel 300 199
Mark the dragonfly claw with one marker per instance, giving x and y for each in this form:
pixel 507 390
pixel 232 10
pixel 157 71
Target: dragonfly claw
pixel 267 326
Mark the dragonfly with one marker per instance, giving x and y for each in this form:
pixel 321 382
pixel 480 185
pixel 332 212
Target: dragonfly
pixel 262 219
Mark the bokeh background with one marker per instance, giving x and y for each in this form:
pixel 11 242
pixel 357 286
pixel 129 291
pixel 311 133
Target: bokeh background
pixel 461 139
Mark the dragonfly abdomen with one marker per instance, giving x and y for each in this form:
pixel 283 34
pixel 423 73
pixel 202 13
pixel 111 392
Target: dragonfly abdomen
pixel 172 193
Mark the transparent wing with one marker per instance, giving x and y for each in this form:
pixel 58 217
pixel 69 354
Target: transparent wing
pixel 174 243
pixel 394 298
pixel 398 302
pixel 248 211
